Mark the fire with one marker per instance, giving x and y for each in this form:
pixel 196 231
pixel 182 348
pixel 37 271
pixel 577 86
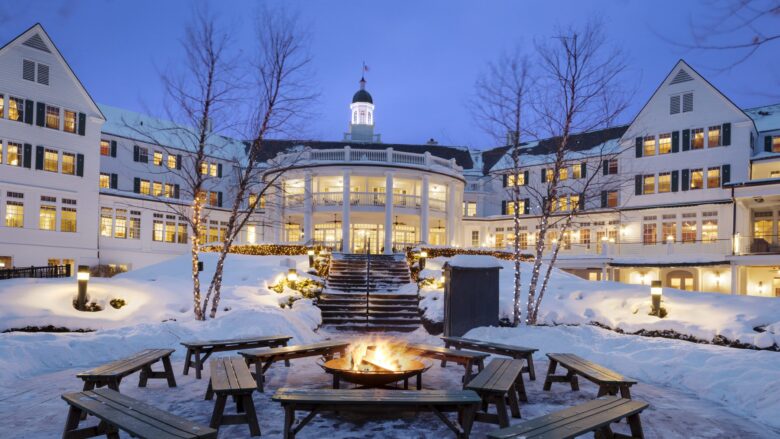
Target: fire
pixel 370 355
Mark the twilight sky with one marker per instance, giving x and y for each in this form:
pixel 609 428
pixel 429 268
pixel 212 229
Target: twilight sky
pixel 424 56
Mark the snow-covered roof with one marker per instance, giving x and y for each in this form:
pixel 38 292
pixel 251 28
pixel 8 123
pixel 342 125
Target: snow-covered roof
pixel 766 118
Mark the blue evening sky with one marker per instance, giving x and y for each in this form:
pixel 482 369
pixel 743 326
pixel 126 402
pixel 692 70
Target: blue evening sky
pixel 424 56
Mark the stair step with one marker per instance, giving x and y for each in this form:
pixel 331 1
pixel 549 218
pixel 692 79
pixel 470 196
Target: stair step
pixel 356 327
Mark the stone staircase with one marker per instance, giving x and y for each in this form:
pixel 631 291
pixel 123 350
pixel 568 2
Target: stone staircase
pixel 359 297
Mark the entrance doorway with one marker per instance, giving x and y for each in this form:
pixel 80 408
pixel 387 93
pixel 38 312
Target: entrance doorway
pixel 681 280
pixel 367 237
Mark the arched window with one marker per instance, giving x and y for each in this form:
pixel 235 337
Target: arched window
pixel 362 116
pixel 369 117
pixel 354 117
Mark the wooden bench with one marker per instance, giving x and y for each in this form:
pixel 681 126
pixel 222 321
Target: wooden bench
pixel 230 376
pixel 609 381
pixel 466 359
pixel 111 374
pixel 593 416
pixel 120 412
pixel 208 347
pixel 502 379
pixel 264 358
pixel 464 402
pixel 511 351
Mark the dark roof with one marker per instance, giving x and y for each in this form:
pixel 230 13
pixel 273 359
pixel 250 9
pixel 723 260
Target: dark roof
pixel 461 155
pixel 362 96
pixel 577 142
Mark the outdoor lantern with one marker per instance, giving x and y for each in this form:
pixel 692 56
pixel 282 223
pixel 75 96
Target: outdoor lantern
pixel 2 264
pixel 656 291
pixel 83 278
pixel 292 277
pixel 669 239
pixel 423 255
pixel 310 252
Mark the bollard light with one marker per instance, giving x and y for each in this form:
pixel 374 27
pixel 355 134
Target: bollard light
pixel 423 255
pixel 292 277
pixel 82 276
pixel 2 264
pixel 310 253
pixel 656 291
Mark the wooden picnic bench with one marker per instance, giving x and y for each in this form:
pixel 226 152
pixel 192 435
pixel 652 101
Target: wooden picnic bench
pixel 507 350
pixel 208 347
pixel 111 374
pixel 464 402
pixel 502 379
pixel 264 358
pixel 592 416
pixel 609 381
pixel 120 412
pixel 466 359
pixel 230 376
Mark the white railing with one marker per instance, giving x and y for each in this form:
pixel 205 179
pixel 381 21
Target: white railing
pixel 387 155
pixel 436 204
pixel 403 200
pixel 328 198
pixel 366 199
pixel 293 200
pixel 441 162
pixel 368 155
pixel 328 154
pixel 409 159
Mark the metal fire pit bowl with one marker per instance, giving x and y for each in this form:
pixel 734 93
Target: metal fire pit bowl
pixel 340 368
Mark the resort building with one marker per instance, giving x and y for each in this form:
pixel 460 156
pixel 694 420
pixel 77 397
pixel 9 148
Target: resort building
pixel 687 193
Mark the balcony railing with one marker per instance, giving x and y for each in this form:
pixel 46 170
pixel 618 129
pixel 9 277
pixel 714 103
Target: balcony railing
pixel 387 155
pixel 721 247
pixel 757 245
pixel 366 199
pixel 436 204
pixel 328 198
pixel 403 200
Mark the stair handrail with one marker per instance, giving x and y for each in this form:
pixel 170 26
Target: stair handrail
pixel 368 278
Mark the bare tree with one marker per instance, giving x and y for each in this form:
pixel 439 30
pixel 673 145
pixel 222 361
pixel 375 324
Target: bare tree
pixel 281 71
pixel 578 92
pixel 499 107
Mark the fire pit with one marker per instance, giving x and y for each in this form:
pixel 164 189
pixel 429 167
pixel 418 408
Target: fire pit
pixel 375 363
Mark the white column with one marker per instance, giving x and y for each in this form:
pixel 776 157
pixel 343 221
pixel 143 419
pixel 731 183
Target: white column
pixel 604 273
pixel 424 210
pixel 278 208
pixel 308 209
pixel 734 278
pixel 452 212
pixel 389 211
pixel 345 247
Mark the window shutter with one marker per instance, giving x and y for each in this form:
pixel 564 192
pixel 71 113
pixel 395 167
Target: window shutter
pixel 686 140
pixel 27 156
pixel 675 180
pixel 137 185
pixel 605 167
pixel 82 123
pixel 504 179
pixel 726 131
pixel 725 173
pixel 39 157
pixel 219 172
pixel 544 175
pixel 40 114
pixel 114 181
pixel 176 191
pixel 686 179
pixel 583 170
pixel 136 153
pixel 113 148
pixel 603 199
pixel 768 143
pixel 638 185
pixel 80 165
pixel 28 111
pixel 525 178
pixel 582 202
pixel 526 206
pixel 178 162
pixel 639 147
pixel 675 141
pixel 219 198
pixel 503 207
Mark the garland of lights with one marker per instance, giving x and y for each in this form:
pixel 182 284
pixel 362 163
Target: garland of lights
pixel 448 252
pixel 261 249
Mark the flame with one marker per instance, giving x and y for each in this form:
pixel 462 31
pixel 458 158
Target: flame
pixel 372 355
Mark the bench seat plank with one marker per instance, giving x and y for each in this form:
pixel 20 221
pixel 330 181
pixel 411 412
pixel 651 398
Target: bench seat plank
pixel 590 370
pixel 231 374
pixel 512 351
pixel 376 396
pixel 235 341
pixel 294 350
pixel 126 366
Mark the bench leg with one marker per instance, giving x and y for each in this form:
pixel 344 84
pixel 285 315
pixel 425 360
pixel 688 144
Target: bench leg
pixel 289 419
pixel 219 409
pixel 336 382
pixel 514 404
pixel 251 415
pixel 168 368
pixel 550 372
pixel 114 384
pixel 604 433
pixel 187 361
pixel 144 376
pixel 239 401
pixel 209 392
pixel 572 378
pixel 531 372
pixel 466 419
pixel 625 392
pixel 198 364
pixel 503 416
pixel 419 381
pixel 444 362
pixel 520 388
pixel 72 422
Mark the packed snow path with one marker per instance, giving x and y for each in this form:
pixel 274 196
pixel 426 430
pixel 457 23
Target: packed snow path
pixel 34 409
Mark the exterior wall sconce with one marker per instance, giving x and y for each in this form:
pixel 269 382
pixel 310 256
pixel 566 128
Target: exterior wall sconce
pixel 761 288
pixel 82 276
pixel 656 292
pixel 423 256
pixel 310 253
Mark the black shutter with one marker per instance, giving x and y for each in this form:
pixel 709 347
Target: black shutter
pixel 544 175
pixel 726 134
pixel 27 157
pixel 675 180
pixel 113 148
pixel 686 179
pixel 638 184
pixel 582 202
pixel 768 143
pixel 136 153
pixel 219 198
pixel 525 178
pixel 219 172
pixel 686 140
pixel 526 206
pixel 28 111
pixel 504 179
pixel 605 167
pixel 82 123
pixel 114 181
pixel 176 191
pixel 725 172
pixel 40 113
pixel 639 147
pixel 503 207
pixel 137 185
pixel 39 157
pixel 675 141
pixel 583 170
pixel 80 165
pixel 178 162
pixel 603 199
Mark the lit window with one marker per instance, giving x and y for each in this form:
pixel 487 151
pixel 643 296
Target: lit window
pixel 14 154
pixel 709 230
pixel 52 117
pixel 697 138
pixel 664 182
pixel 563 174
pixel 120 224
pixel 14 214
pixel 612 199
pixel 145 187
pixel 648 146
pixel 157 231
pixel 469 208
pixel 563 204
pixel 106 222
pixel 713 136
pixel 68 219
pixel 213 198
pixel 16 109
pixel 697 179
pixel 68 163
pixel 648 186
pixel 105 148
pixel 669 232
pixel 213 168
pixel 775 143
pixel 1 151
pixel 204 168
pixel 170 191
pixel 664 143
pixel 134 230
pixel 574 201
pixel 143 155
pixel 170 232
pixel 181 233
pixel 523 237
pixel 688 232
pixel 2 106
pixel 475 238
pixel 510 207
pixel 105 181
pixel 48 217
pixel 157 189
pixel 516 180
pixel 70 122
pixel 50 160
pixel 157 159
pixel 549 174
pixel 649 233
pixel 171 161
pixel 612 167
pixel 576 171
pixel 713 177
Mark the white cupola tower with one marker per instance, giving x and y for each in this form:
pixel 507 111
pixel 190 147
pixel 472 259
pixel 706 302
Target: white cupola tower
pixel 361 125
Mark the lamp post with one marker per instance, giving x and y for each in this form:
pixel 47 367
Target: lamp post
pixel 292 277
pixel 656 291
pixel 310 252
pixel 423 255
pixel 83 278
